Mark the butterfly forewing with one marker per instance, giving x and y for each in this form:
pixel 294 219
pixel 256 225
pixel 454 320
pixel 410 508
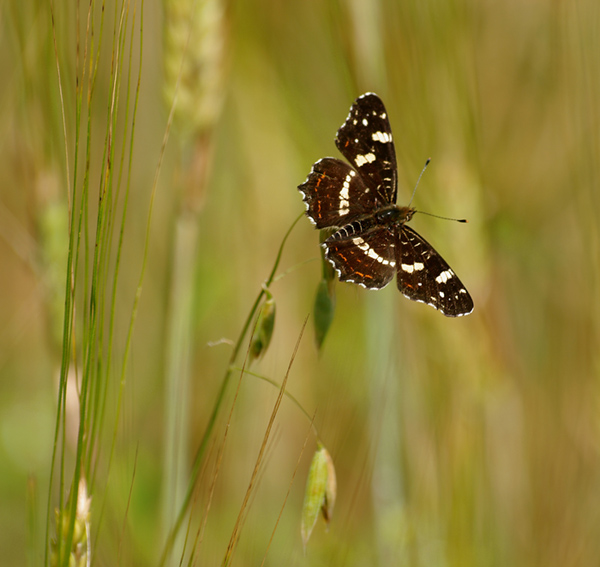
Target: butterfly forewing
pixel 365 140
pixel 364 258
pixel 335 194
pixel 423 275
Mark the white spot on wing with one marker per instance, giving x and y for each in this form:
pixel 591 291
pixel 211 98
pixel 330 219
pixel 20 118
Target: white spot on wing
pixel 367 158
pixel 383 137
pixel 410 268
pixel 444 276
pixel 345 194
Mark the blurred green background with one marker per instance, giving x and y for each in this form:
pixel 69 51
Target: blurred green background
pixel 473 441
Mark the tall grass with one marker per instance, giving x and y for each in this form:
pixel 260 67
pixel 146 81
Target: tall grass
pixel 137 230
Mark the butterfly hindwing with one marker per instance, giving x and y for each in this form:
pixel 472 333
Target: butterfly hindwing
pixel 365 140
pixel 423 275
pixel 364 258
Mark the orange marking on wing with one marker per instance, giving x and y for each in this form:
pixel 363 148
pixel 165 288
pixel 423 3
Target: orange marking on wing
pixel 366 276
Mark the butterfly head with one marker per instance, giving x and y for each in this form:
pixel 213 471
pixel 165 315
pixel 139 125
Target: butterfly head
pixel 392 214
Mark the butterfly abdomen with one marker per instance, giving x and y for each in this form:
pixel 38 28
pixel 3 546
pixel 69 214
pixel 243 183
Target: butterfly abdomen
pixel 355 228
pixel 386 216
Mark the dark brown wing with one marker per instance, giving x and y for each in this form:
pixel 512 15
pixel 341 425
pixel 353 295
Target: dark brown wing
pixel 423 275
pixel 367 258
pixel 335 194
pixel 365 140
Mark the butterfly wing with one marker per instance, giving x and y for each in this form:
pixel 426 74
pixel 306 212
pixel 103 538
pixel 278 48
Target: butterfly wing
pixel 334 194
pixel 365 140
pixel 373 242
pixel 423 275
pixel 364 258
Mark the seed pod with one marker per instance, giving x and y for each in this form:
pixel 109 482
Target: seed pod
pixel 264 329
pixel 324 310
pixel 320 492
pixel 80 545
pixel 195 42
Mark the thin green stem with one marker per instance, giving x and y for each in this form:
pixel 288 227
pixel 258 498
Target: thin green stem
pixel 292 398
pixel 221 396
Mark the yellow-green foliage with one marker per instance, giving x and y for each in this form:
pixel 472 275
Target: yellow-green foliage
pixel 470 442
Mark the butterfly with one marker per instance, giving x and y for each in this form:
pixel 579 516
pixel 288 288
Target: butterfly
pixel 371 242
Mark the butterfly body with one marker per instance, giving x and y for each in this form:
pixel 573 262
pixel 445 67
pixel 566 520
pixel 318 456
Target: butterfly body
pixel 372 242
pixel 384 217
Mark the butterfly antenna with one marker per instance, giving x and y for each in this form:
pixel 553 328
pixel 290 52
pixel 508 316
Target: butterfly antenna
pixel 430 214
pixel 443 218
pixel 418 180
